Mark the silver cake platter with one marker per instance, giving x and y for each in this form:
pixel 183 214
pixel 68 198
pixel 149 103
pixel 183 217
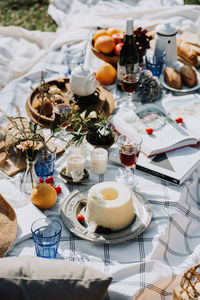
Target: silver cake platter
pixel 72 207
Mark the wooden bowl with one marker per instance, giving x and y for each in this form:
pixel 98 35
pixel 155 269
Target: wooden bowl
pixel 111 59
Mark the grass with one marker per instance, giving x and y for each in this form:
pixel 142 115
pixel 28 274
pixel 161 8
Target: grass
pixel 33 15
pixel 30 14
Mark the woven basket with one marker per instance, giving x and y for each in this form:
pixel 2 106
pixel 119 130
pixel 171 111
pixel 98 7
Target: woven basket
pixel 189 288
pixel 111 59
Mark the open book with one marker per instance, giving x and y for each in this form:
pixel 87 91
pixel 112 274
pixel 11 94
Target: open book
pixel 167 134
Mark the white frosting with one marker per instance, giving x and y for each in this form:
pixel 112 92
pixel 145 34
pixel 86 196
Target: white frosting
pixel 115 213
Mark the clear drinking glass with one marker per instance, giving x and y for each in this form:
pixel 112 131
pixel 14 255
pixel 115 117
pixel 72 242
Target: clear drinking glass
pixel 130 81
pixel 46 236
pixel 129 150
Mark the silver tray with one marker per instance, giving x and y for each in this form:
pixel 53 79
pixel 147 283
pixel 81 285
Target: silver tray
pixel 72 207
pixel 184 89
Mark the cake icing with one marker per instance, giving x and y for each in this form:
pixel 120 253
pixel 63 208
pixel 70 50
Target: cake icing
pixel 110 205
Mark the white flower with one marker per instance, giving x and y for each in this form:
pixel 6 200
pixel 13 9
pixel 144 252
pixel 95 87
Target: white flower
pixel 103 131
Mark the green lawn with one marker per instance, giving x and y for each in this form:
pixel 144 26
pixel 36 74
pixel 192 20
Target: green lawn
pixel 32 14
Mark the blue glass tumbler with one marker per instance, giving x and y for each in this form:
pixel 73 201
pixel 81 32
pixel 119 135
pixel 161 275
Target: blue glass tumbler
pixel 46 235
pixel 155 63
pixel 45 162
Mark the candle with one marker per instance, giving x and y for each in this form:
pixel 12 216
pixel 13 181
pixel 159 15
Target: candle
pixel 75 166
pixel 99 159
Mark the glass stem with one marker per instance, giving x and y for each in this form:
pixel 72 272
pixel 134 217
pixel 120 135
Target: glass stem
pixel 129 176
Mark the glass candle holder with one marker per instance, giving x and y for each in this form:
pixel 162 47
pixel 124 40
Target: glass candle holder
pixel 75 167
pixel 99 159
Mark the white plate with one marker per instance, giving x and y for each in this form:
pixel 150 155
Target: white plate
pixel 72 207
pixel 184 89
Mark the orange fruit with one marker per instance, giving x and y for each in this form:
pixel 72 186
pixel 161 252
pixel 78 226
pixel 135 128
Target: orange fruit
pixel 106 74
pixel 110 31
pixel 104 44
pixel 99 33
pixel 43 195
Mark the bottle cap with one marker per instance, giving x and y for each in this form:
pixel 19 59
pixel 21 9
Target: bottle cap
pixel 129 26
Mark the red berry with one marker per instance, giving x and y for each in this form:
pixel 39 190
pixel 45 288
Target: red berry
pixel 40 180
pixel 179 120
pixel 58 189
pixel 149 130
pixel 49 179
pixel 80 218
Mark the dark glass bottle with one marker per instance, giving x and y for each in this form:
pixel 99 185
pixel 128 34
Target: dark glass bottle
pixel 128 57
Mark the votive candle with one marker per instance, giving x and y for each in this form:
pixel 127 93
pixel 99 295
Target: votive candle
pixel 99 159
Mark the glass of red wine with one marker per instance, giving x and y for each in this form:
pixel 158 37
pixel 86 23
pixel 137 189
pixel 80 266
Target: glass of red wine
pixel 130 81
pixel 129 150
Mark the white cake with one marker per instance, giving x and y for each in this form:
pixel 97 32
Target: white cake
pixel 110 205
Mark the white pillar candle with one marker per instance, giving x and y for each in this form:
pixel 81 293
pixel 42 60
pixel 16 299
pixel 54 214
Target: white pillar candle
pixel 99 159
pixel 75 163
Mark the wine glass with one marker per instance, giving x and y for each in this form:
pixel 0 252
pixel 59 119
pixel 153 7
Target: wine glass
pixel 130 81
pixel 129 150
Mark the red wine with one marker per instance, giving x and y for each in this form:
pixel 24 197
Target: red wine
pixel 129 83
pixel 128 160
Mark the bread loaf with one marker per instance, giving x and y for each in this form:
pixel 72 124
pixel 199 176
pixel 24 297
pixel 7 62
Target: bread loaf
pixel 173 77
pixel 188 75
pixel 187 52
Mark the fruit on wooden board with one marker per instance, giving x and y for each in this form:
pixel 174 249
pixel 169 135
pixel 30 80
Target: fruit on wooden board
pixel 106 74
pixel 43 195
pixel 104 44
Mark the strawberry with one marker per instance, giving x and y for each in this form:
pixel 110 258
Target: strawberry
pixel 179 120
pixel 149 130
pixel 49 179
pixel 58 189
pixel 40 180
pixel 80 218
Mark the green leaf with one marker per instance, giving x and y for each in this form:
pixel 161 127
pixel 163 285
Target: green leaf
pixel 54 125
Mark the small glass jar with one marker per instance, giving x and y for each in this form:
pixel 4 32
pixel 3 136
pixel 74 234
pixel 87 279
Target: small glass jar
pixel 99 160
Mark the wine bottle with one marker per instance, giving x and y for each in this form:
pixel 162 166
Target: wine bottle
pixel 128 57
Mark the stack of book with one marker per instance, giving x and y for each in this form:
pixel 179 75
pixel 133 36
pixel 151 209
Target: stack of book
pixel 170 148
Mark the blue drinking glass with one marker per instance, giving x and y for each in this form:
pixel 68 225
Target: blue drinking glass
pixel 45 162
pixel 46 235
pixel 155 63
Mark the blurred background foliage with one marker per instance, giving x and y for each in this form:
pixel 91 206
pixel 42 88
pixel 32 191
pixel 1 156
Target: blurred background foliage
pixel 33 14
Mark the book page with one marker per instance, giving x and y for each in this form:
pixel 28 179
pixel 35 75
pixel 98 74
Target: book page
pixel 167 134
pixel 188 108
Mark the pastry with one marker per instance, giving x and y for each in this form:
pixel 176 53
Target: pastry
pixel 187 52
pixel 110 205
pixel 46 109
pixel 189 76
pixel 173 77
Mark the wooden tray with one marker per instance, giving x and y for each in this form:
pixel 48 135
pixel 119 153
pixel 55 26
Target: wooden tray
pixel 17 163
pixel 101 99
